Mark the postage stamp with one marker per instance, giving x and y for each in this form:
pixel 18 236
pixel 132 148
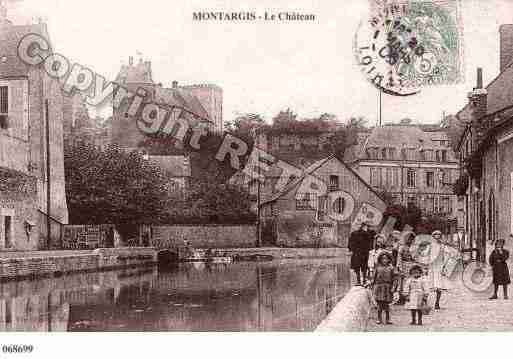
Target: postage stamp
pixel 405 46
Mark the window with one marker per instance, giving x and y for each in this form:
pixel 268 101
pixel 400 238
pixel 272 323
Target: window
pixel 444 155
pixel 7 231
pixel 373 176
pixel 403 154
pixel 305 202
pixel 430 205
pixel 422 155
pixel 4 107
pixel 392 153
pixel 430 179
pixel 339 205
pixel 396 177
pixel 388 178
pixel 384 153
pixel 334 183
pixel 322 208
pixel 411 180
pixel 437 154
pixel 444 205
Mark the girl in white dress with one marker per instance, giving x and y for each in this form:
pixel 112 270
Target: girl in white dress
pixel 440 256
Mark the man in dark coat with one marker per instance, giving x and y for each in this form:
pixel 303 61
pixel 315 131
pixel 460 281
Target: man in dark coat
pixel 360 243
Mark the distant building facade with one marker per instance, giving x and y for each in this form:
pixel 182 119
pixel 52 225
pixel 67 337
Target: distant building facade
pixel 24 92
pixel 412 164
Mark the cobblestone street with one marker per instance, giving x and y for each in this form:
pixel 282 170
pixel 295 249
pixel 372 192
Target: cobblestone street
pixel 462 310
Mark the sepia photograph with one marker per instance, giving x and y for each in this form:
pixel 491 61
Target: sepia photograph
pixel 219 167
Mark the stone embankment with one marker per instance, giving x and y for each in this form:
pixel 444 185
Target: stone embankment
pixel 26 265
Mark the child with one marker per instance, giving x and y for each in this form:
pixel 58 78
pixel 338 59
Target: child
pixel 384 284
pixel 416 293
pixel 500 270
pixel 379 247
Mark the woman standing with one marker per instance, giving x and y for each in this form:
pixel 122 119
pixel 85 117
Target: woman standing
pixel 439 257
pixel 500 270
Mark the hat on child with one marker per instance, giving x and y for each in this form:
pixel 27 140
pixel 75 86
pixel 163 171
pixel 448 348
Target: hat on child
pixel 384 254
pixel 414 268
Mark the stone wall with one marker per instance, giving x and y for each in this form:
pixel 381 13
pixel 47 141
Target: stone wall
pixel 204 236
pixel 351 314
pixel 84 261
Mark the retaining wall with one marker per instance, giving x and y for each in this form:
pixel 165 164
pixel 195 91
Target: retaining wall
pixel 204 236
pixel 351 314
pixel 97 260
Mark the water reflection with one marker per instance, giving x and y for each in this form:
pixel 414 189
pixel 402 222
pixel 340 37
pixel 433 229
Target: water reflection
pixel 293 295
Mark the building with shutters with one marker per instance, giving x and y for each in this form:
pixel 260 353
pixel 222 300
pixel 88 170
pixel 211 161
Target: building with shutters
pixel 415 164
pixel 24 92
pixel 296 217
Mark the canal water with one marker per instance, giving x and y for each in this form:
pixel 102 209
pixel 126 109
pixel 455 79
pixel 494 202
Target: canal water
pixel 287 295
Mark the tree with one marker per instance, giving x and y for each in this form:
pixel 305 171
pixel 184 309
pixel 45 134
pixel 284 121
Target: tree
pixel 454 128
pixel 406 215
pixel 113 186
pixel 208 201
pixel 285 120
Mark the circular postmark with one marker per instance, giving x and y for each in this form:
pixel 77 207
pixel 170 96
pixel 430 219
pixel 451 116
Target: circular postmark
pixel 401 51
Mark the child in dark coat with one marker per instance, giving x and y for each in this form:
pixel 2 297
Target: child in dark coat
pixel 384 284
pixel 500 270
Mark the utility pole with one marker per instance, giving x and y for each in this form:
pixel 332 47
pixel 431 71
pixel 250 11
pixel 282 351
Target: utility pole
pixel 259 240
pixel 380 112
pixel 48 184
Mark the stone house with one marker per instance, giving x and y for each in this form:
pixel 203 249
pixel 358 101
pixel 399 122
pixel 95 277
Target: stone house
pixel 486 150
pixel 300 218
pixel 414 164
pixel 24 93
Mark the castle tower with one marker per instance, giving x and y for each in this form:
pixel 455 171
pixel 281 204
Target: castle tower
pixel 211 97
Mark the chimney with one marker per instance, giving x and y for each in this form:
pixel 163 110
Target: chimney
pixel 175 84
pixel 506 45
pixel 478 100
pixel 131 60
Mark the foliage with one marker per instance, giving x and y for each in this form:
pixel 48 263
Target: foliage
pixel 410 215
pixel 454 129
pixel 386 197
pixel 210 202
pixel 113 186
pixel 461 185
pixel 434 222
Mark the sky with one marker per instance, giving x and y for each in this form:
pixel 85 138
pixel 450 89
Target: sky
pixel 263 67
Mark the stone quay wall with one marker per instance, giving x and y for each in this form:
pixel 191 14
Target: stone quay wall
pixel 351 314
pixel 204 236
pixel 55 263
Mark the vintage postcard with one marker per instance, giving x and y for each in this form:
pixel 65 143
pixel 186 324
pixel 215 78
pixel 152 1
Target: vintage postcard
pixel 265 166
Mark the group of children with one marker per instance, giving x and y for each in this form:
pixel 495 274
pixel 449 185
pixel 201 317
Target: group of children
pixel 385 282
pixel 386 279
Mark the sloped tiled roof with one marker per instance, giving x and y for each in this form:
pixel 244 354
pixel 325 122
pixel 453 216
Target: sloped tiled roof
pixel 309 171
pixel 181 98
pixel 10 36
pixel 175 166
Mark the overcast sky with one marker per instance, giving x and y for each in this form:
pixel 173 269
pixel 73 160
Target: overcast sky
pixel 262 67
